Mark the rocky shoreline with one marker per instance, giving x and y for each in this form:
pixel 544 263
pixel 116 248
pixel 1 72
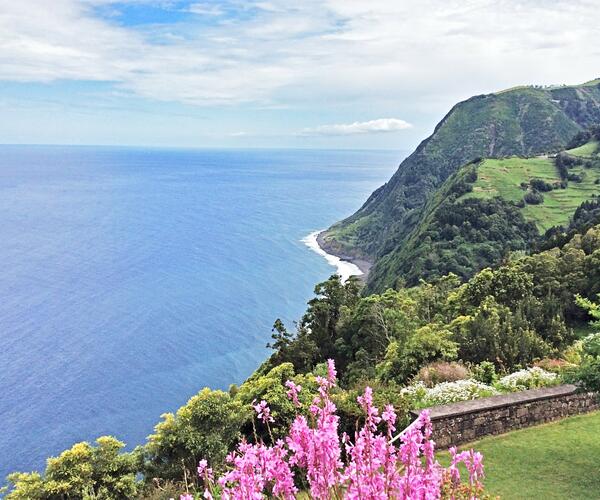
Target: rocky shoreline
pixel 361 262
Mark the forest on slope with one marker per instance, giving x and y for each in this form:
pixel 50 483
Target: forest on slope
pixel 478 295
pixel 524 121
pixel 406 343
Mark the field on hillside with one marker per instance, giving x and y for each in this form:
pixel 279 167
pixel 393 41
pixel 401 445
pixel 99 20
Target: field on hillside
pixel 553 461
pixel 584 151
pixel 503 177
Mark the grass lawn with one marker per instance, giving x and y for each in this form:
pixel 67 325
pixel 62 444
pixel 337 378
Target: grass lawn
pixel 560 460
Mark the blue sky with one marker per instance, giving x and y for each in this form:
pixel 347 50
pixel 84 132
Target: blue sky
pixel 274 73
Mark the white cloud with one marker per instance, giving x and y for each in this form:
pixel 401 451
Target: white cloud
pixel 341 53
pixel 369 127
pixel 206 9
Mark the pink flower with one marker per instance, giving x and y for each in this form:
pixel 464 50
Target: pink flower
pixel 293 392
pixel 331 372
pixel 375 468
pixel 204 471
pixel 389 417
pixel 263 411
pixel 186 497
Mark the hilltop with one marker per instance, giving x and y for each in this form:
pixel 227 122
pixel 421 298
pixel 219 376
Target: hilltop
pixel 523 122
pixel 490 208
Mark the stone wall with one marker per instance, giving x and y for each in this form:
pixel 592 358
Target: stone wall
pixel 459 423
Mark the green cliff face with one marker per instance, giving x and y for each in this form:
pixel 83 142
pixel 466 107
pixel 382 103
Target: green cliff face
pixel 524 121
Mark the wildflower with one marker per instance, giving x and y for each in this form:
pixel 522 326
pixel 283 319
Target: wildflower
pixel 204 471
pixel 389 417
pixel 331 372
pixel 375 468
pixel 293 391
pixel 528 379
pixel 263 411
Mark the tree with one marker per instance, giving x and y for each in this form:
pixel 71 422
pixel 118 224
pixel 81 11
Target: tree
pixel 82 472
pixel 428 343
pixel 206 427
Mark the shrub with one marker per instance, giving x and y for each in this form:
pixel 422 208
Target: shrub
pixel 573 353
pixel 442 371
pixel 553 365
pixel 84 471
pixel 587 375
pixel 485 372
pixel 540 185
pixel 533 198
pixel 591 345
pixel 531 378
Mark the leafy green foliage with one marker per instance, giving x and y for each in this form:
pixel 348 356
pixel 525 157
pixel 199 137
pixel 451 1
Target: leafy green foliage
pixel 82 472
pixel 520 122
pixel 485 372
pixel 207 426
pixel 509 316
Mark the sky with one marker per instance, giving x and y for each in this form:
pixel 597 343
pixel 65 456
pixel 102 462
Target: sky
pixel 274 73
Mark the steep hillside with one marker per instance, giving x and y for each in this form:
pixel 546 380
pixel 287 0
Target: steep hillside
pixel 490 208
pixel 524 121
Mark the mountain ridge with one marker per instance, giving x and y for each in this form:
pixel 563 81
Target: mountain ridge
pixel 523 121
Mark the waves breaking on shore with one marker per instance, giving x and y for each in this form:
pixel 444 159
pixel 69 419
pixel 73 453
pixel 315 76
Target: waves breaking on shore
pixel 344 268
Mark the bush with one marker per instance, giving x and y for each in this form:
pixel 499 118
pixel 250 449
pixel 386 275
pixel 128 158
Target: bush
pixel 99 471
pixel 591 345
pixel 442 371
pixel 587 375
pixel 533 198
pixel 531 378
pixel 553 365
pixel 573 353
pixel 485 372
pixel 540 185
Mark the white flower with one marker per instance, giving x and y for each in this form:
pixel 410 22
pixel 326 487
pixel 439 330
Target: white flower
pixel 527 379
pixel 461 390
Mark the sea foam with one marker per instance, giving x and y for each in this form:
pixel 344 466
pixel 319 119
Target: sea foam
pixel 344 268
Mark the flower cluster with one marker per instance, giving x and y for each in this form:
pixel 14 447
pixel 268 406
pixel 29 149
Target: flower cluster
pixel 530 378
pixel 447 392
pixel 374 466
pixel 461 390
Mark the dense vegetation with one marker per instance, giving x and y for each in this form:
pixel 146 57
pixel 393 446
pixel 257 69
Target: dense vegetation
pixel 499 321
pixel 510 315
pixel 522 122
pixel 491 208
pixel 471 300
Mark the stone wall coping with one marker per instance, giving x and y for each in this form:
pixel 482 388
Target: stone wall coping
pixel 494 402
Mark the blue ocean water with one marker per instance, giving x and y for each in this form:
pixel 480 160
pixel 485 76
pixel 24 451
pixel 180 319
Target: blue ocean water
pixel 132 278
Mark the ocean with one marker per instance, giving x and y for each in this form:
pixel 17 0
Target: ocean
pixel 131 278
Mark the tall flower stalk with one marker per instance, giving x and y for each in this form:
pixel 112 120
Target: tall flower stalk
pixel 374 468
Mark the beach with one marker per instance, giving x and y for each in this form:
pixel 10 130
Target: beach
pixel 346 265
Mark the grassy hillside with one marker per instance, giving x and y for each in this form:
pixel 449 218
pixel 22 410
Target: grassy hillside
pixel 504 178
pixel 525 121
pixel 585 151
pixel 479 215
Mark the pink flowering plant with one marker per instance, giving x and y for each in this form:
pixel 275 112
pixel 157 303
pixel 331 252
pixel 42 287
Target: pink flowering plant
pixel 373 464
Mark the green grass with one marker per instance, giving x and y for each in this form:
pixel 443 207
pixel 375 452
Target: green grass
pixel 585 151
pixel 503 177
pixel 553 461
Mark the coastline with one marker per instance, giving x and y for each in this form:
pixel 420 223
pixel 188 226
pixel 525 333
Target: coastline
pixel 346 265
